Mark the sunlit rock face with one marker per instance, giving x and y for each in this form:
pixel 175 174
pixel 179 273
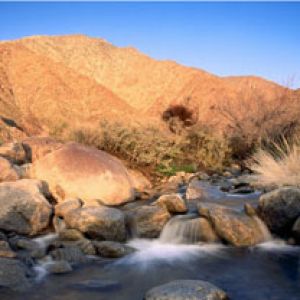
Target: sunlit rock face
pixel 77 171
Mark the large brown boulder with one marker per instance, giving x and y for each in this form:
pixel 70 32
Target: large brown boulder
pixel 37 147
pixel 232 226
pixel 280 209
pixel 77 171
pixel 24 208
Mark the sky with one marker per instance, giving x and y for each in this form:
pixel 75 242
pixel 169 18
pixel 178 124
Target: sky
pixel 261 39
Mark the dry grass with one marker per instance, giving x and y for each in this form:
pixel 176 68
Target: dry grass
pixel 279 165
pixel 158 150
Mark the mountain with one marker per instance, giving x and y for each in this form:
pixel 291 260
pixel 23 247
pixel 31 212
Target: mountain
pixel 46 81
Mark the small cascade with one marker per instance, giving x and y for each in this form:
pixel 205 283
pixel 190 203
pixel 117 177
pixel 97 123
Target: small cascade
pixel 263 229
pixel 181 230
pixel 45 240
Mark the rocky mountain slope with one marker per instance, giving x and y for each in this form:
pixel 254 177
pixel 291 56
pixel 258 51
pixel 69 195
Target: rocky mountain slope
pixel 49 81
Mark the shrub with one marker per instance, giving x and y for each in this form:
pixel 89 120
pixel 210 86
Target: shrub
pixel 257 117
pixel 277 165
pixel 160 151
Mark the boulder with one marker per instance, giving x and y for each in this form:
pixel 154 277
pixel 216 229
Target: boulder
pixel 37 147
pixel 279 209
pixel 112 249
pixel 70 254
pixel 13 152
pixel 186 290
pixel 148 221
pixel 172 202
pixel 77 171
pixel 98 222
pixel 139 181
pixel 24 208
pixel 58 267
pixel 232 226
pixel 61 209
pixel 8 172
pixel 71 235
pixel 5 250
pixel 13 275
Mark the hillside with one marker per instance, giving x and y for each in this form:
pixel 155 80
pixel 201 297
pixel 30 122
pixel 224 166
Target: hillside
pixel 48 81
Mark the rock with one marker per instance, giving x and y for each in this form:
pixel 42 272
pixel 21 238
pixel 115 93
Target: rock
pixel 195 190
pixel 139 182
pixel 148 221
pixel 5 250
pixel 13 275
pixel 279 209
pixel 249 210
pixel 24 209
pixel 13 152
pixel 58 267
pixel 25 171
pixel 99 222
pixel 23 243
pixel 296 231
pixel 234 227
pixel 8 172
pixel 37 147
pixel 77 171
pixel 3 236
pixel 112 249
pixel 242 190
pixel 186 290
pixel 71 235
pixel 63 208
pixel 69 254
pixel 172 202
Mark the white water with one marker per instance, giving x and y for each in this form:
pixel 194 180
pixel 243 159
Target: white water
pixel 263 229
pixel 181 230
pixel 45 240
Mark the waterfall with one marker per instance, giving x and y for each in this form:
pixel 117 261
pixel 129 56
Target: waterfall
pixel 181 230
pixel 263 229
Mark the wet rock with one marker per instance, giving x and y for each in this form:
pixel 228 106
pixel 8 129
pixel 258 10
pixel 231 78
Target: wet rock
pixel 24 243
pixel 13 275
pixel 148 221
pixel 186 290
pixel 249 210
pixel 234 227
pixel 242 190
pixel 6 251
pixel 77 171
pixel 71 235
pixel 99 222
pixel 172 202
pixel 24 209
pixel 112 249
pixel 13 152
pixel 58 267
pixel 279 209
pixel 63 208
pixel 69 254
pixel 37 147
pixel 8 171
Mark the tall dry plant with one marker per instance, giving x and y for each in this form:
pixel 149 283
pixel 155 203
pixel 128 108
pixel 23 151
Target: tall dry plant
pixel 279 165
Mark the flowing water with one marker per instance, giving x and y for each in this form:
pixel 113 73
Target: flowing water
pixel 268 271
